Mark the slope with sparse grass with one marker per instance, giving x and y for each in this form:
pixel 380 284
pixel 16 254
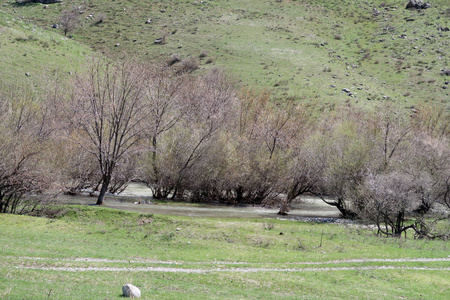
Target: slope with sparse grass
pixel 308 50
pixel 32 57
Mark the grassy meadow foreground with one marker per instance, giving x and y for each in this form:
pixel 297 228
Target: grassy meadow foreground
pixel 90 252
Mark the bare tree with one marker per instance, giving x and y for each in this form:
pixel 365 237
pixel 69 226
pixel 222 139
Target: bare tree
pixel 107 115
pixel 407 177
pixel 163 90
pixel 340 153
pixel 207 108
pixel 391 133
pixel 69 20
pixel 388 198
pixel 187 123
pixel 24 133
pixel 78 168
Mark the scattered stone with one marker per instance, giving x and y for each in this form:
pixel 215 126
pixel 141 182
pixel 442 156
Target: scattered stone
pixel 131 291
pixel 417 4
pixel 117 45
pixel 163 10
pixel 55 26
pixel 445 72
pixel 148 21
pixel 346 90
pixel 444 87
pixel 159 41
pixel 281 233
pixel 45 7
pixel 27 74
pixel 178 229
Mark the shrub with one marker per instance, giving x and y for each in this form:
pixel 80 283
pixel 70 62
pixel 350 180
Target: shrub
pixel 174 58
pixel 189 65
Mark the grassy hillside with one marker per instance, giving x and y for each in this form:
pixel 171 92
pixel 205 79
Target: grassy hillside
pixel 303 49
pixel 31 56
pixel 90 252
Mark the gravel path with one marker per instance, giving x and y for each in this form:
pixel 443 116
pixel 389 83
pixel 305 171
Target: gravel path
pixel 225 266
pixel 173 262
pixel 240 270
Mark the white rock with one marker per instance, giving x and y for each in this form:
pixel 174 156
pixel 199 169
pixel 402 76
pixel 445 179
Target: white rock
pixel 131 291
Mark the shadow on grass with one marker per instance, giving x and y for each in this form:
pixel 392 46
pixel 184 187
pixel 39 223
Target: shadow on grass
pixel 33 2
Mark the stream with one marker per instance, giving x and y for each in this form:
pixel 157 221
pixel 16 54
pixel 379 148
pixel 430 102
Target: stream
pixel 307 207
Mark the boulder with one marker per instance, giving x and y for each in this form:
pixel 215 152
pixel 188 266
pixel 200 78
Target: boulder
pixel 417 4
pixel 131 291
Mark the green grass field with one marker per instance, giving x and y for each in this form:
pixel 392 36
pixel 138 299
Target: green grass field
pixel 90 252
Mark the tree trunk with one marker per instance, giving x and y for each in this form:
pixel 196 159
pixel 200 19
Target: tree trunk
pixel 105 183
pixel 285 204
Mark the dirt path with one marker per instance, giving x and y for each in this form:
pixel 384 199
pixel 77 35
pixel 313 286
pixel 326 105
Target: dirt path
pixel 239 270
pixel 221 266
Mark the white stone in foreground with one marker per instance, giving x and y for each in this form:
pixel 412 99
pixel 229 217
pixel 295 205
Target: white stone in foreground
pixel 131 291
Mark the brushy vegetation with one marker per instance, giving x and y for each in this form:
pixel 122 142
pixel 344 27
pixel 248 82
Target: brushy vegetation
pixel 118 239
pixel 195 138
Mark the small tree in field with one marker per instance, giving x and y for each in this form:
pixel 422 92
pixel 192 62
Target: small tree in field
pixel 107 116
pixel 69 20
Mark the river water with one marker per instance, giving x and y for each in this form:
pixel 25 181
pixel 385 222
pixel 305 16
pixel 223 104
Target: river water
pixel 307 207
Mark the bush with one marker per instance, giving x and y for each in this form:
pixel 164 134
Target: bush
pixel 174 58
pixel 189 65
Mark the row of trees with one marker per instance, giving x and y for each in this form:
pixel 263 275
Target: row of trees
pixel 197 138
